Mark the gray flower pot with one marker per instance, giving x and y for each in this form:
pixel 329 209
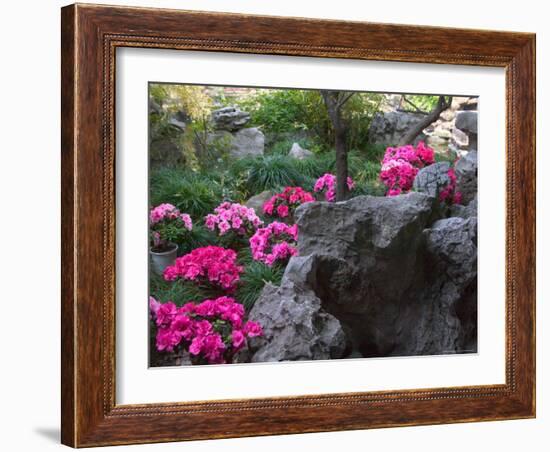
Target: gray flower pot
pixel 161 260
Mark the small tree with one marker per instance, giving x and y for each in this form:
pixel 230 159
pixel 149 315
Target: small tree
pixel 335 101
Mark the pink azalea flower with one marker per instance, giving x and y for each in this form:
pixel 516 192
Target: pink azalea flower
pixel 253 329
pixel 401 165
pixel 238 339
pixel 282 211
pixel 277 241
pixel 167 339
pixel 212 264
pixel 163 219
pixel 236 218
pixel 327 182
pixel 283 204
pixel 196 327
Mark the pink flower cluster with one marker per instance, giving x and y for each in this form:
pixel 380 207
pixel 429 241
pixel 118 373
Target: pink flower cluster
pixel 283 204
pixel 449 193
pixel 236 217
pixel 275 242
pixel 328 182
pixel 213 330
pixel 401 165
pixel 169 212
pixel 212 265
pixel 167 225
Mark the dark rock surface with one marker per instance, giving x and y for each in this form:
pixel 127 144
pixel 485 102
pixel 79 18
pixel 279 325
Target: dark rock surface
pixel 295 326
pixel 467 211
pixel 398 282
pixel 466 121
pixel 388 128
pixel 432 179
pixel 466 176
pixel 230 119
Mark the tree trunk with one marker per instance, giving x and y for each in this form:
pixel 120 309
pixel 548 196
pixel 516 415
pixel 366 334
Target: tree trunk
pixel 417 128
pixel 341 165
pixel 334 101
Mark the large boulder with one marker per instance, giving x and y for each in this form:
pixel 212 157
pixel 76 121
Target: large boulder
pixel 398 284
pixel 361 257
pixel 388 128
pixel 247 142
pixel 230 119
pixel 295 326
pixel 465 211
pixel 298 152
pixel 447 323
pixel 466 121
pixel 243 143
pixel 432 179
pixel 466 176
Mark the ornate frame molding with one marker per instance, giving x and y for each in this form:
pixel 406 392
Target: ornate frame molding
pixel 90 37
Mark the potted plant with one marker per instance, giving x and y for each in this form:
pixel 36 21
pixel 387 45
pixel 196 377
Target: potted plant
pixel 167 227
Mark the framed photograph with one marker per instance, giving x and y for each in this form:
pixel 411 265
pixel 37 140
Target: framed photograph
pixel 281 225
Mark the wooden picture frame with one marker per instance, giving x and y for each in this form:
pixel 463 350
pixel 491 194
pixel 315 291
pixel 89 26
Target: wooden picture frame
pixel 90 36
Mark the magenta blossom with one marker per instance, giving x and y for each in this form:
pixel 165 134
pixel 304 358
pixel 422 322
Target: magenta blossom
pixel 212 331
pixel 401 165
pixel 283 204
pixel 275 242
pixel 167 225
pixel 327 183
pixel 234 217
pixel 449 194
pixel 211 265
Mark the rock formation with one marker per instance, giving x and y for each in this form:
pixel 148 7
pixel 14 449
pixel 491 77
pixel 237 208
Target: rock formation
pixel 229 118
pixel 398 280
pixel 298 152
pixel 295 326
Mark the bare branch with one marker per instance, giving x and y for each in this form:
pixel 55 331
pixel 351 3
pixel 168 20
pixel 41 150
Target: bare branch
pixel 345 97
pixel 417 110
pixel 418 127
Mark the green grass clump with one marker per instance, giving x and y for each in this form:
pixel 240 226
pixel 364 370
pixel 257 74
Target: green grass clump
pixel 180 292
pixel 253 280
pixel 267 173
pixel 193 193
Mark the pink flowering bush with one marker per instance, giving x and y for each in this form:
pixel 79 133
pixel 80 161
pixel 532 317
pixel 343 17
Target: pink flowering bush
pixel 212 331
pixel 208 266
pixel 275 242
pixel 449 194
pixel 284 204
pixel 401 165
pixel 234 217
pixel 167 225
pixel 327 184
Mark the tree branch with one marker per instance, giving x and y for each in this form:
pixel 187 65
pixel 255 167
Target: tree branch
pixel 418 127
pixel 418 110
pixel 344 98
